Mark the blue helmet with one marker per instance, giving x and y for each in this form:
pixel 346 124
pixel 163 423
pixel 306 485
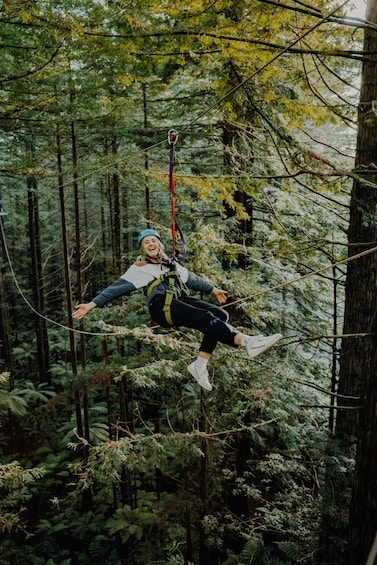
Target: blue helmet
pixel 144 234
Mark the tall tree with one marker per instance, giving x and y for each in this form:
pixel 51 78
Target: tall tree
pixel 358 361
pixel 5 342
pixel 36 265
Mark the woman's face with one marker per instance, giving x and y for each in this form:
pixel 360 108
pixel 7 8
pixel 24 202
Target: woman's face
pixel 151 246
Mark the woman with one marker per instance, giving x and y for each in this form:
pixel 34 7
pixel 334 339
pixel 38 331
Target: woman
pixel 166 284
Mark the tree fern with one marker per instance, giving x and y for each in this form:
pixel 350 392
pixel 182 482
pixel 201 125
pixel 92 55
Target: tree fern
pixel 255 552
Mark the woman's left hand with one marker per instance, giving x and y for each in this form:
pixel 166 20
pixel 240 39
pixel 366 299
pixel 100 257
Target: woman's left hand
pixel 221 295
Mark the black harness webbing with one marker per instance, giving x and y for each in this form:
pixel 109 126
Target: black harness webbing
pixel 171 292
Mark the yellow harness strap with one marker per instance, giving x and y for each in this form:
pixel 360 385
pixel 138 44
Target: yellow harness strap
pixel 170 294
pixel 153 285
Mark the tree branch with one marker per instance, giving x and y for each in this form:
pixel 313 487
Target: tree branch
pixel 348 54
pixel 28 73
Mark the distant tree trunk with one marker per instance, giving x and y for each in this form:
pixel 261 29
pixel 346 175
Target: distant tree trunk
pixel 36 266
pixel 5 331
pixel 146 159
pixel 245 235
pixel 126 421
pixel 67 272
pixel 335 351
pixel 104 242
pixel 82 419
pixel 207 554
pixel 204 553
pixel 66 261
pixel 188 518
pixel 358 361
pixel 116 235
pixel 79 284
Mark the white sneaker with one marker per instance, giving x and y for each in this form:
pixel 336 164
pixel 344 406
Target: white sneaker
pixel 200 374
pixel 259 343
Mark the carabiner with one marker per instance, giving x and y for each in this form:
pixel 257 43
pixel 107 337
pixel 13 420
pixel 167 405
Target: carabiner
pixel 172 136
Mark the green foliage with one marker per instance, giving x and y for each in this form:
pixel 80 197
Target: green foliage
pixel 126 437
pixel 17 400
pixel 13 401
pixel 15 492
pixel 255 552
pixel 129 522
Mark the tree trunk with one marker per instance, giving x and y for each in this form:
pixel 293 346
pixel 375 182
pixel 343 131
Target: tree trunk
pixel 245 231
pixel 363 512
pixel 117 249
pixel 206 555
pixel 5 332
pixel 36 266
pixel 146 160
pixel 358 361
pixel 67 272
pixel 335 350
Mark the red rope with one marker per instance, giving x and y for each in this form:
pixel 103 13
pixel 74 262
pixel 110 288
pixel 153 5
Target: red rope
pixel 172 139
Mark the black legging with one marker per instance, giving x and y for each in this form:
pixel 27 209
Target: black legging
pixel 199 315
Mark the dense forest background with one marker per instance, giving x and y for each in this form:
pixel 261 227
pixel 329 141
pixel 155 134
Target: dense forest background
pixel 110 453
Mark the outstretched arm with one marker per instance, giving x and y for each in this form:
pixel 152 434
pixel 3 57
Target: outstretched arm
pixel 115 290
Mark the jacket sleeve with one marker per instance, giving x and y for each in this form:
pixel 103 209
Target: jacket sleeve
pixel 115 290
pixel 194 282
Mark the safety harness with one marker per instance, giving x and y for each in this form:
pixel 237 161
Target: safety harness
pixel 172 288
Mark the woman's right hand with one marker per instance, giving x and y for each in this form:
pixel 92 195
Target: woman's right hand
pixel 81 310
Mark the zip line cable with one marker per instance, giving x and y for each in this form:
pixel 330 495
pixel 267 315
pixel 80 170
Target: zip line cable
pixel 303 277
